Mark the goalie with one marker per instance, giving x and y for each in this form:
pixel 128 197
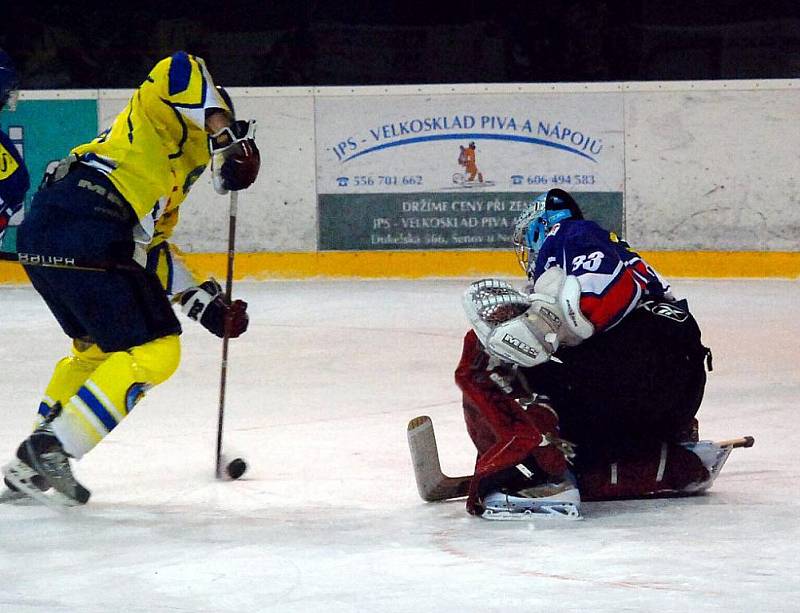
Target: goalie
pixel 585 384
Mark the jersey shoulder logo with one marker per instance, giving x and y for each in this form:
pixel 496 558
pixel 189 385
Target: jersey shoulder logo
pixel 8 164
pixel 667 310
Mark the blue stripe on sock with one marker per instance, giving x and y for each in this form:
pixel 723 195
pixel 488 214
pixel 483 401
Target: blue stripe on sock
pixel 97 408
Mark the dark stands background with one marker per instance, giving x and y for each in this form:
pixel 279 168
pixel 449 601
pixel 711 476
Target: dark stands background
pixel 367 42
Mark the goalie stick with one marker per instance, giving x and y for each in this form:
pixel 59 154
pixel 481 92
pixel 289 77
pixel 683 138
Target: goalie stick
pixel 434 486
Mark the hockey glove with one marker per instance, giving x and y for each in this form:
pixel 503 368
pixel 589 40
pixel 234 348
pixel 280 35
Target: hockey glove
pixel 236 159
pixel 553 319
pixel 527 330
pixel 4 217
pixel 206 304
pixel 10 215
pixel 492 305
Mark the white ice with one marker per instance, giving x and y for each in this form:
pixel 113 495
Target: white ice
pixel 328 517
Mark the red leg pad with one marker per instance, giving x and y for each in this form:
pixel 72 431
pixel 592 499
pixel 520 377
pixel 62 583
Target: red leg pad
pixel 662 470
pixel 504 433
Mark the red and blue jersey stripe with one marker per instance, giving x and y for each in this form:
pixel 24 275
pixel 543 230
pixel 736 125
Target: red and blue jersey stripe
pixel 613 278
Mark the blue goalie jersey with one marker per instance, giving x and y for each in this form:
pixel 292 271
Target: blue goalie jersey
pixel 613 278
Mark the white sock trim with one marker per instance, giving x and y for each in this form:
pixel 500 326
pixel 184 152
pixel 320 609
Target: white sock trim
pixel 69 431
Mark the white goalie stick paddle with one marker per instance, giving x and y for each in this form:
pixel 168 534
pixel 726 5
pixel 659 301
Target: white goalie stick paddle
pixel 432 483
pixel 434 486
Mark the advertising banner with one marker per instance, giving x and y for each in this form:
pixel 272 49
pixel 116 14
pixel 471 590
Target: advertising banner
pixel 454 171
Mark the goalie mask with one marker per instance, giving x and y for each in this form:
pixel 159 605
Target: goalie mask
pixel 535 222
pixel 9 82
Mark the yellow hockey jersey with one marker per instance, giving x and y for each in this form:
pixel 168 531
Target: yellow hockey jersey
pixel 157 147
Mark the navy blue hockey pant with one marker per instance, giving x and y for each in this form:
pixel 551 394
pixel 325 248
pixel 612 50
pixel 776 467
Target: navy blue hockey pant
pixel 76 218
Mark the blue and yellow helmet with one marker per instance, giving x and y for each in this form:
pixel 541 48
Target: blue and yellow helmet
pixel 535 222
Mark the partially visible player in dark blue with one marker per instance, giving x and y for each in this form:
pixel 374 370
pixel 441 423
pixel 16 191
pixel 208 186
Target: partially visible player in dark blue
pixel 588 380
pixel 14 179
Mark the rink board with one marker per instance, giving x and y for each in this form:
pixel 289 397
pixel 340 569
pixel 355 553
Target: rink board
pixel 457 263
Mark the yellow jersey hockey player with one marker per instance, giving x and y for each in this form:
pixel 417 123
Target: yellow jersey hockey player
pixel 116 200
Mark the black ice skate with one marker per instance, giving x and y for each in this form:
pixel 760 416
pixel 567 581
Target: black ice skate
pixel 13 494
pixel 23 473
pixel 42 456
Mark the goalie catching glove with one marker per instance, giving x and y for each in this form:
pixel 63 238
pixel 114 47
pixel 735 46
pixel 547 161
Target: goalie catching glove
pixel 207 305
pixel 235 158
pixel 527 329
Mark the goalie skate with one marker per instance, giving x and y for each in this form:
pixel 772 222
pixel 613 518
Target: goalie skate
pixel 544 500
pixel 713 456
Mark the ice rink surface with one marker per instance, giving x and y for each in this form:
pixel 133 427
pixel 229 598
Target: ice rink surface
pixel 328 517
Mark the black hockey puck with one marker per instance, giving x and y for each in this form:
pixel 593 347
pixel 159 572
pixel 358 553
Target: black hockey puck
pixel 236 468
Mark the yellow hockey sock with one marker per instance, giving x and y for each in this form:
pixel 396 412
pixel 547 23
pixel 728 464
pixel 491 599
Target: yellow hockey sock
pixel 69 374
pixel 110 393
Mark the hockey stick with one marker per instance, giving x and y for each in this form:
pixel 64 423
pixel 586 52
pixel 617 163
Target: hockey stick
pixel 734 443
pixel 433 485
pixel 234 203
pixel 67 262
